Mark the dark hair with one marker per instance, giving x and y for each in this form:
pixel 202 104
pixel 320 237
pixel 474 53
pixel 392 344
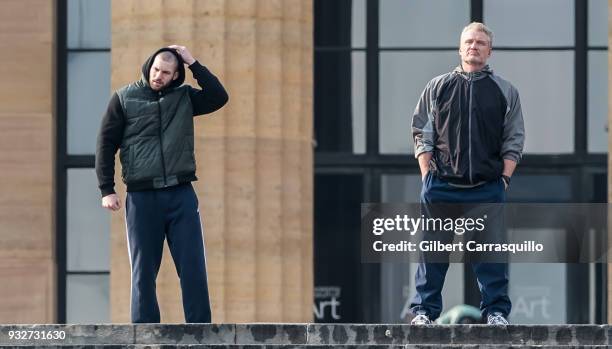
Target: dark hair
pixel 168 56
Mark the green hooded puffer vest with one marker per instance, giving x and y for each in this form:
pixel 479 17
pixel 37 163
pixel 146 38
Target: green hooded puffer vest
pixel 157 149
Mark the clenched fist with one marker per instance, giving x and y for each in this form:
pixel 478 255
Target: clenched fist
pixel 111 202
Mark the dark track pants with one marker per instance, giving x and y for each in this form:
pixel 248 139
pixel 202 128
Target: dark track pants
pixel 492 277
pixel 172 214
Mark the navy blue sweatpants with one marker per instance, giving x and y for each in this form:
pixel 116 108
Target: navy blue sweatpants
pixel 492 277
pixel 172 214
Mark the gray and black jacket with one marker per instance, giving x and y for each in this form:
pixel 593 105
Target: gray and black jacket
pixel 154 129
pixel 470 122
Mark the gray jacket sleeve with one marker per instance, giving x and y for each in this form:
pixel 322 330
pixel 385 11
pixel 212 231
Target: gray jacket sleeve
pixel 514 129
pixel 422 122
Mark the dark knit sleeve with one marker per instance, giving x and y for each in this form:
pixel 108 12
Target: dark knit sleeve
pixel 212 95
pixel 109 141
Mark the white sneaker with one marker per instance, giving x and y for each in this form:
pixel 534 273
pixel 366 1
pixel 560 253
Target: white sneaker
pixel 497 319
pixel 421 319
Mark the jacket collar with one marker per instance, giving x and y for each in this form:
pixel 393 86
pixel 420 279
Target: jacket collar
pixel 477 75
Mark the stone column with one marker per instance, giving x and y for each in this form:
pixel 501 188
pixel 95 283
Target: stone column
pixel 254 156
pixel 27 256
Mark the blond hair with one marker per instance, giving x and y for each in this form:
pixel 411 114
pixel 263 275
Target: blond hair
pixel 481 28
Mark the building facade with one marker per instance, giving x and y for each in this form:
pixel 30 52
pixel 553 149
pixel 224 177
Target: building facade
pixel 321 96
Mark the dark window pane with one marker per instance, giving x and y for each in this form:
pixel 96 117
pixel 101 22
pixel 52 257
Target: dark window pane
pixel 599 191
pixel 339 102
pixel 540 188
pixel 337 248
pixel 339 23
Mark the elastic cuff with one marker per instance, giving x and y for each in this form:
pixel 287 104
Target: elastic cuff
pixel 107 190
pixel 512 156
pixel 421 151
pixel 194 64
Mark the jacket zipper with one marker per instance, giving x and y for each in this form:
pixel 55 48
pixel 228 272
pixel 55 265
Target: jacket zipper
pixel 161 138
pixel 470 130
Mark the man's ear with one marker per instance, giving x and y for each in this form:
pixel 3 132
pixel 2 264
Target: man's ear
pixel 176 75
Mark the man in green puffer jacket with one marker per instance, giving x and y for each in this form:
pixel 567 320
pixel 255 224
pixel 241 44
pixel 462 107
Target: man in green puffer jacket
pixel 151 122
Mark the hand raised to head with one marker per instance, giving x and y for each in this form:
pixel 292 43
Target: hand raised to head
pixel 184 53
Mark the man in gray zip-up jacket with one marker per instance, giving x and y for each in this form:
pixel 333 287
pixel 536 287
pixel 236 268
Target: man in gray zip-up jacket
pixel 468 134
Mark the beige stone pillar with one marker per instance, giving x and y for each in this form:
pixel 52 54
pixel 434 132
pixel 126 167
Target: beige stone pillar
pixel 27 258
pixel 254 156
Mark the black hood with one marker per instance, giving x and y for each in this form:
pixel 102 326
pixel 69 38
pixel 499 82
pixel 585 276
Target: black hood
pixel 146 68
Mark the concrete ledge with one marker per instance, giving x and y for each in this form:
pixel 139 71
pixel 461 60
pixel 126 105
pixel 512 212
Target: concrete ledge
pixel 299 335
pixel 271 346
pixel 235 346
pixel 272 334
pixel 183 334
pixel 460 334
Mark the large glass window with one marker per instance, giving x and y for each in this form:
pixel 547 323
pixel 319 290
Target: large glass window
pixel 412 52
pixel 553 51
pixel 83 226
